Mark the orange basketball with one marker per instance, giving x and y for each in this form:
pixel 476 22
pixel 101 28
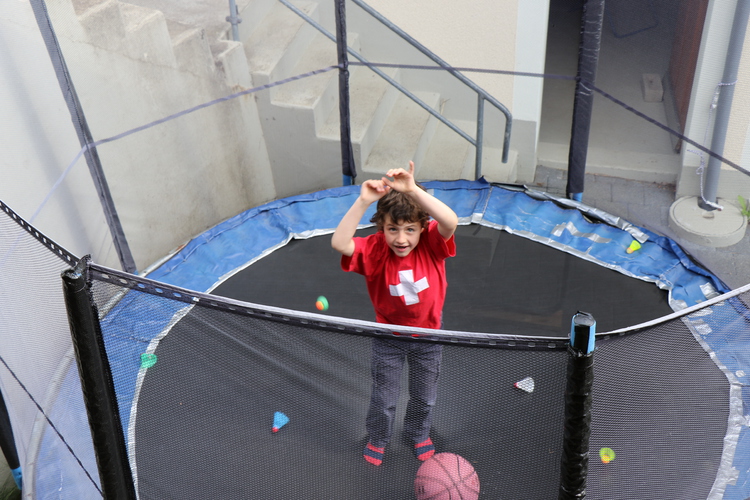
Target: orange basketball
pixel 446 476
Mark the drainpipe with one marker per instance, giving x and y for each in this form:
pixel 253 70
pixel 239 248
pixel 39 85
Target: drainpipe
pixel 588 60
pixel 707 200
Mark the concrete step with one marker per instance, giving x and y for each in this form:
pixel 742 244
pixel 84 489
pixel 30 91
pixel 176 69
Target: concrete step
pixel 371 102
pixel 147 34
pixel 253 14
pixel 230 56
pixel 102 22
pixel 144 34
pixel 319 92
pixel 405 136
pixel 648 167
pixel 274 49
pixel 82 6
pixel 449 154
pixel 191 48
pixel 493 168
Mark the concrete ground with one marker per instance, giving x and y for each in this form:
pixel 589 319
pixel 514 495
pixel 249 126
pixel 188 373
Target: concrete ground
pixel 647 205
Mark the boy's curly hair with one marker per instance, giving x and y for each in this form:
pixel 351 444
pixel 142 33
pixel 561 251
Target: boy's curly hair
pixel 401 208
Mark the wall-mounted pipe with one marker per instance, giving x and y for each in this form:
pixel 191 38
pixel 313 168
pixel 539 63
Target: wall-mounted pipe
pixel 707 200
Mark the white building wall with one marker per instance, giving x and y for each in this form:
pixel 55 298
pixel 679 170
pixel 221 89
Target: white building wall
pixel 531 48
pixel 479 35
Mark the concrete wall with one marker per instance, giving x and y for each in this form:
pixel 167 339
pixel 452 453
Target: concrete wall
pixel 483 36
pixel 37 138
pixel 170 182
pixel 531 47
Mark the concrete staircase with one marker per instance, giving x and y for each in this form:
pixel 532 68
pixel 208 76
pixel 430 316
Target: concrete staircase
pixel 300 120
pixel 147 34
pixel 141 33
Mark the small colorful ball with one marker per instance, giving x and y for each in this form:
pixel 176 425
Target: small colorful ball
pixel 607 455
pixel 148 360
pixel 321 303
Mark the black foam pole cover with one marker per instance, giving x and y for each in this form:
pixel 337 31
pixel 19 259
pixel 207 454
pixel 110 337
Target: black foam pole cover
pixel 578 402
pixel 348 168
pixel 7 444
pixel 97 385
pixel 577 425
pixel 588 60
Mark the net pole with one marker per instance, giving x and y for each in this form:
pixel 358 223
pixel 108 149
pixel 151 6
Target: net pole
pixel 84 135
pixel 578 399
pixel 8 444
pixel 583 104
pixel 96 383
pixel 348 169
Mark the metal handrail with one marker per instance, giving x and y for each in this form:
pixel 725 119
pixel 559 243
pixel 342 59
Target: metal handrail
pixel 482 94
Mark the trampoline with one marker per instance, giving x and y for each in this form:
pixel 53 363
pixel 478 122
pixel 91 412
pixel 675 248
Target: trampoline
pixel 197 420
pixel 193 361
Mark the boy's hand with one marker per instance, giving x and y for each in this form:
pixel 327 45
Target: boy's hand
pixel 372 190
pixel 403 181
pixel 369 192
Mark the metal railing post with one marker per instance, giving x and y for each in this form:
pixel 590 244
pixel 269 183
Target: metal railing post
pixel 440 62
pixel 480 137
pixel 235 19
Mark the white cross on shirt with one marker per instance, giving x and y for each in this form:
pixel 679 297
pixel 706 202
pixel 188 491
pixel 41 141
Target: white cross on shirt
pixel 408 288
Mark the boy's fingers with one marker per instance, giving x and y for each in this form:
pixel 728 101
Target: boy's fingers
pixel 375 185
pixel 411 167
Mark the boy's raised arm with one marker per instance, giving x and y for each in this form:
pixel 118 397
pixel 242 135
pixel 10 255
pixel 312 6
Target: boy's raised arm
pixel 404 182
pixel 370 192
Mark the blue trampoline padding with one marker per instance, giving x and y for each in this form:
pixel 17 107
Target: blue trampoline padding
pixel 67 469
pixel 741 489
pixel 232 244
pixel 726 330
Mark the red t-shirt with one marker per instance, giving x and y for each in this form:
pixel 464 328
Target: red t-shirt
pixel 409 290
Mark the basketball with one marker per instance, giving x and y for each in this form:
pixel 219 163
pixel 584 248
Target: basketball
pixel 446 476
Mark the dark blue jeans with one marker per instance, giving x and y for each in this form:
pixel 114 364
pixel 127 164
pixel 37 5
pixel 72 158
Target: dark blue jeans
pixel 388 356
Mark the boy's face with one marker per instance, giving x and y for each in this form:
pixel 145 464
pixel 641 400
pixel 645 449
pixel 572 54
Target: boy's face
pixel 401 237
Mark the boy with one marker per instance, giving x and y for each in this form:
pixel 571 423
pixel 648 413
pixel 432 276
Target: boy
pixel 404 267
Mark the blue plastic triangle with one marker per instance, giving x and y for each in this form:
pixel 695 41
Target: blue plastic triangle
pixel 279 420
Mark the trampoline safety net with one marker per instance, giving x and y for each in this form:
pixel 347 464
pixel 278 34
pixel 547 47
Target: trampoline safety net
pixel 199 378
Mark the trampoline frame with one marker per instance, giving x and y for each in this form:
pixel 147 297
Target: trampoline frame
pixel 473 201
